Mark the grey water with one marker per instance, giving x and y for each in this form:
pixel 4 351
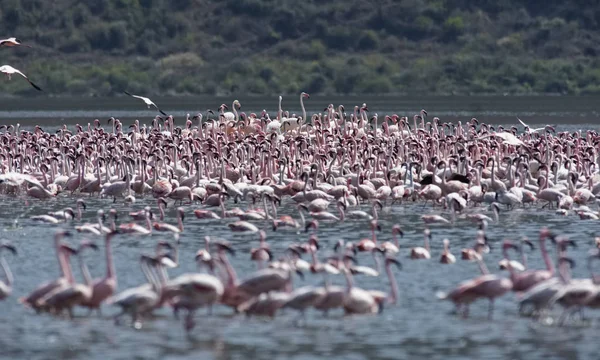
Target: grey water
pixel 491 109
pixel 418 326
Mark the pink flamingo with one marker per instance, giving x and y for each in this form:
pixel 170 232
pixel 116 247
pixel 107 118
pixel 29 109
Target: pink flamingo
pixel 168 227
pixel 447 257
pixel 488 286
pixel 105 287
pixel 526 279
pixel 73 294
pixel 32 299
pixel 6 285
pixel 393 247
pixel 262 253
pixel 422 252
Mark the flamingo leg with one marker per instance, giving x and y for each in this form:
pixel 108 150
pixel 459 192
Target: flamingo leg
pixel 117 318
pixel 491 309
pixel 189 323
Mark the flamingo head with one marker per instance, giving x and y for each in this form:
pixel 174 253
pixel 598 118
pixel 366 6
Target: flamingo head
pixel 8 246
pixel 528 243
pixel 87 244
pixel 545 233
pixel 507 244
pixel 313 241
pixel 375 225
pixel 390 261
pixel 224 245
pixel 397 230
pixel 81 203
pixel 568 260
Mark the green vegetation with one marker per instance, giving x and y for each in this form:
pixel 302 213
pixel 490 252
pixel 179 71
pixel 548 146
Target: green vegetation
pixel 99 47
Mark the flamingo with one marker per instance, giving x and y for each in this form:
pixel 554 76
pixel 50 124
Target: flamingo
pixel 146 101
pixel 6 285
pixel 487 286
pixel 133 228
pixel 393 247
pixel 262 253
pixel 242 226
pixel 357 300
pixel 447 257
pixel 11 42
pixel 140 299
pixel 527 279
pixel 105 287
pixel 422 252
pixel 168 227
pixel 73 294
pixel 9 71
pixel 193 291
pixel 45 288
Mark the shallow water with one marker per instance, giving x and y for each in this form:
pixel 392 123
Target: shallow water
pixel 418 326
pixel 491 109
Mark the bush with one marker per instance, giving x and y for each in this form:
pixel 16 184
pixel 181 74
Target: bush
pixel 368 40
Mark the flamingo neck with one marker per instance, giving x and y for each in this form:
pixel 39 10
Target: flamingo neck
pixel 110 266
pixel 85 271
pixel 232 276
pixel 484 270
pixel 393 284
pixel 7 273
pixel 546 257
pixel 161 210
pixel 60 257
pixel 513 275
pixel 68 269
pixel 303 110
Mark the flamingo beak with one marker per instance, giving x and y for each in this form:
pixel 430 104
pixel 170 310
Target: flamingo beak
pixel 10 248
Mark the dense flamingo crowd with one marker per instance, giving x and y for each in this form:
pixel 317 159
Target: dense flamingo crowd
pixel 353 163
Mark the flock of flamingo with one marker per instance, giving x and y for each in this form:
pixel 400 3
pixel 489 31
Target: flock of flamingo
pixel 347 162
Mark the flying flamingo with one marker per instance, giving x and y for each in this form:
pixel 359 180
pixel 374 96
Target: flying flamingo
pixel 147 101
pixel 12 41
pixel 6 285
pixel 9 71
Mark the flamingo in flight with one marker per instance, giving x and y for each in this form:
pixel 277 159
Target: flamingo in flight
pixel 9 71
pixel 12 41
pixel 146 100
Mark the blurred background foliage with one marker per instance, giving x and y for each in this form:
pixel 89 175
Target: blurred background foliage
pixel 168 47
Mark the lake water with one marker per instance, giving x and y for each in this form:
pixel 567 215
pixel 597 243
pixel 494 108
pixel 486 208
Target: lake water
pixel 491 109
pixel 419 326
